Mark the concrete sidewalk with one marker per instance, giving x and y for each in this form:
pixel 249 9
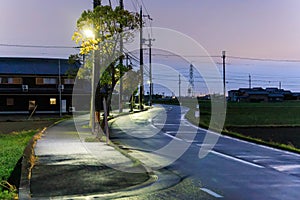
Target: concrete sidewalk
pixel 72 164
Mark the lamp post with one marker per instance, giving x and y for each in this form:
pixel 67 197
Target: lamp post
pixel 88 33
pixel 141 95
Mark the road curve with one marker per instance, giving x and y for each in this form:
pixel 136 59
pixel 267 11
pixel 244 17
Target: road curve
pixel 234 169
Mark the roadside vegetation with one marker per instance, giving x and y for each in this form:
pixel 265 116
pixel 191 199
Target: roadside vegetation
pixel 14 137
pixel 12 147
pixel 273 124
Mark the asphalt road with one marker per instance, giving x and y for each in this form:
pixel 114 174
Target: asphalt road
pixel 233 169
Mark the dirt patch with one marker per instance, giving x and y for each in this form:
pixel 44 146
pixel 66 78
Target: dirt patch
pixel 283 135
pixel 16 126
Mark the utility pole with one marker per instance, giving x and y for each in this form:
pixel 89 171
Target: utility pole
pixel 224 78
pixel 95 76
pixel 249 81
pixel 141 62
pixel 59 88
pixel 96 3
pixel 179 85
pixel 150 67
pixel 280 85
pixel 121 63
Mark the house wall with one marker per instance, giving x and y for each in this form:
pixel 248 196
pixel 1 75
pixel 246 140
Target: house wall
pixel 13 98
pixel 41 87
pixel 21 103
pixel 258 98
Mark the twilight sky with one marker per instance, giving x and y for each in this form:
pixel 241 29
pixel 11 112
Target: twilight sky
pixel 246 28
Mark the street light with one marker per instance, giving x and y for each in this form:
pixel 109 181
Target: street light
pixel 89 33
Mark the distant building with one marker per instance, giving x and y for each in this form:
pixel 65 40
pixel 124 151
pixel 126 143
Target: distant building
pixel 34 83
pixel 259 94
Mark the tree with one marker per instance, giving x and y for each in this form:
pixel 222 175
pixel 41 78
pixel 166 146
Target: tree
pixel 130 83
pixel 108 25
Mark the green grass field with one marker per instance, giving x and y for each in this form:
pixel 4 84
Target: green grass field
pixel 263 114
pixel 273 124
pixel 251 114
pixel 14 137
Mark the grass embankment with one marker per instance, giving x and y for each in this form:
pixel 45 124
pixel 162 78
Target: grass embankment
pixel 12 147
pixel 14 137
pixel 272 124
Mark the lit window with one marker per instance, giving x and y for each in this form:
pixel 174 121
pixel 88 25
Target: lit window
pixel 9 101
pixel 31 105
pixel 52 101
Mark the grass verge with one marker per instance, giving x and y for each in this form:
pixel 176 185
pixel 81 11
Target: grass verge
pixel 12 147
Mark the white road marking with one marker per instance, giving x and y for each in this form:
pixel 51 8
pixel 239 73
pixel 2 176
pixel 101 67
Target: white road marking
pixel 173 137
pixel 219 154
pixel 154 126
pixel 236 159
pixel 157 124
pixel 181 132
pixel 283 168
pixel 212 193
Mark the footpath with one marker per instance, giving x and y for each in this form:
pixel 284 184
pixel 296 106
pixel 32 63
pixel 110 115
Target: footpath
pixel 72 164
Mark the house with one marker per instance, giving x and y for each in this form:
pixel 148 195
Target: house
pixel 259 94
pixel 40 84
pixel 275 97
pixel 296 96
pixel 233 95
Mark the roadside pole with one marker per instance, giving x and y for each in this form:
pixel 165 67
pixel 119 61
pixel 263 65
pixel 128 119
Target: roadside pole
pixel 106 121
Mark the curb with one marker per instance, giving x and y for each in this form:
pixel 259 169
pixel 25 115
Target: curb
pixel 146 187
pixel 24 187
pixel 156 179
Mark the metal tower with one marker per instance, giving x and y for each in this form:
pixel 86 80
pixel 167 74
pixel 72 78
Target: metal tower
pixel 191 82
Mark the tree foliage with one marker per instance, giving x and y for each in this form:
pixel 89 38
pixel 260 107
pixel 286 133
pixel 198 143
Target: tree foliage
pixel 108 25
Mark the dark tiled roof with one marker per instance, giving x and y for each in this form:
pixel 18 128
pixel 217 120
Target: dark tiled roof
pixel 40 66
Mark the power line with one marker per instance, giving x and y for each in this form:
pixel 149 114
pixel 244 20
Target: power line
pixel 134 6
pixel 157 54
pixel 38 46
pixel 232 57
pixel 262 59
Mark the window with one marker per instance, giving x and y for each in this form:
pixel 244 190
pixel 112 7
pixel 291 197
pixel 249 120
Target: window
pixel 42 81
pixel 31 105
pixel 68 81
pixel 9 101
pixel 10 80
pixel 39 81
pixel 49 80
pixel 52 101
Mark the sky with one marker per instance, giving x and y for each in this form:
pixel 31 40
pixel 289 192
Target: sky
pixel 267 29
